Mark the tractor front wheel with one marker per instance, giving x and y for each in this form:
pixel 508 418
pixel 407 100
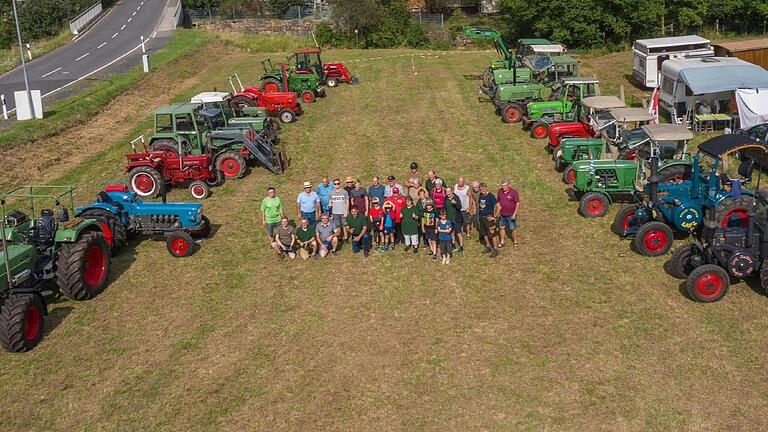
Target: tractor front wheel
pixel 271 85
pixel 21 322
pixel 569 175
pixel 113 229
pixel 680 263
pixel 287 116
pixel 625 219
pixel 332 82
pixel 231 164
pixel 708 283
pixel 511 113
pixel 307 96
pixel 199 190
pixel 204 230
pixel 539 131
pixel 180 244
pixel 145 181
pixel 594 205
pixel 654 239
pixel 82 267
pixel 560 164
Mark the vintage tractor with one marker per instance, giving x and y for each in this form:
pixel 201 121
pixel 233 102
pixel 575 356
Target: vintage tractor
pixel 281 78
pixel 598 183
pixel 239 117
pixel 562 106
pixel 282 105
pixel 308 60
pixel 196 130
pixel 583 127
pixel 52 247
pixel 122 213
pixel 710 197
pixel 737 252
pixel 619 138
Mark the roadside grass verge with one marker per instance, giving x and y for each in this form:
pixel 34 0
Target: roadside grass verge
pixel 9 58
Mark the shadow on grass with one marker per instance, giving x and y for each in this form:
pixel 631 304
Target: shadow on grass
pixel 55 318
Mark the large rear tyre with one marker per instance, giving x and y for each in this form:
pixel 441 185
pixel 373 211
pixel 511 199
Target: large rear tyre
pixel 113 229
pixel 145 181
pixel 733 212
pixel 654 239
pixel 82 267
pixel 624 220
pixel 594 205
pixel 180 244
pixel 239 102
pixel 204 230
pixel 512 113
pixel 708 283
pixel 271 85
pixel 231 164
pixel 21 322
pixel 680 263
pixel 170 147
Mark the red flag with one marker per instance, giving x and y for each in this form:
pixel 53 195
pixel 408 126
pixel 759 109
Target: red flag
pixel 653 108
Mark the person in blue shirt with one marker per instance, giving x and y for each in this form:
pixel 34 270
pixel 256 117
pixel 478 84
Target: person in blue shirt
pixel 324 189
pixel 308 204
pixel 376 190
pixel 444 229
pixel 388 226
pixel 488 210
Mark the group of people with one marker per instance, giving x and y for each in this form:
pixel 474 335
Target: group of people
pixel 424 213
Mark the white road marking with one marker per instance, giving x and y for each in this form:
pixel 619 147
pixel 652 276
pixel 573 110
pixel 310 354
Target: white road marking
pixel 65 73
pixel 123 27
pixel 53 71
pixel 114 35
pixel 104 43
pixel 83 56
pixel 134 13
pixel 129 19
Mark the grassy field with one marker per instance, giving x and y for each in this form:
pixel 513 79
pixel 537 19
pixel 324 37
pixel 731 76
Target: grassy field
pixel 572 331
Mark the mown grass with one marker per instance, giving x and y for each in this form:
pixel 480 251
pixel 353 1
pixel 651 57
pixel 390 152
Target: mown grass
pixel 80 108
pixel 572 331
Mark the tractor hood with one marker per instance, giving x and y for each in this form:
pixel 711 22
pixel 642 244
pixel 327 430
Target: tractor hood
pixel 508 76
pixel 584 166
pixel 538 109
pixel 20 257
pixel 190 213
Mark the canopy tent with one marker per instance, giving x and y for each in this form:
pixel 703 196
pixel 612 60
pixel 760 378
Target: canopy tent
pixel 719 74
pixel 753 106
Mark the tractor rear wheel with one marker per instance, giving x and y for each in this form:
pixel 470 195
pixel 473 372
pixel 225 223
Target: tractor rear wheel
pixel 332 82
pixel 170 147
pixel 594 205
pixel 271 85
pixel 654 239
pixel 287 116
pixel 624 220
pixel 239 102
pixel 764 276
pixel 145 181
pixel 733 212
pixel 674 173
pixel 539 130
pixel 708 283
pixel 569 175
pixel 180 244
pixel 82 267
pixel 511 113
pixel 680 263
pixel 307 96
pixel 113 229
pixel 231 164
pixel 199 190
pixel 21 322
pixel 204 230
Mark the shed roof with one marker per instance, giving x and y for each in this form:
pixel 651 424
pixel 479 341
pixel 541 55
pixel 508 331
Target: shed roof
pixel 746 45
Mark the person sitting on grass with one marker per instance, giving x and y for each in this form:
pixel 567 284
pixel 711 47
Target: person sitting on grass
pixel 285 239
pixel 357 227
pixel 428 220
pixel 327 236
pixel 410 225
pixel 374 217
pixel 444 230
pixel 305 239
pixel 388 226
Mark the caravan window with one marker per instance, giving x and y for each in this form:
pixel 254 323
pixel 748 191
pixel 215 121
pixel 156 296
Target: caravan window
pixel 667 85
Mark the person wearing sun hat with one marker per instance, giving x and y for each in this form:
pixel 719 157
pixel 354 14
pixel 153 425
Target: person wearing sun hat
pixel 308 203
pixel 349 184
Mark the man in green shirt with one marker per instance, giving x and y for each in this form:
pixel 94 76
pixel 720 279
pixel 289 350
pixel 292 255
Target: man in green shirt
pixel 271 212
pixel 357 227
pixel 410 225
pixel 305 239
pixel 285 239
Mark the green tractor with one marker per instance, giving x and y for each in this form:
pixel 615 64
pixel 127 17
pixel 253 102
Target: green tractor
pixel 598 183
pixel 620 137
pixel 280 78
pixel 73 253
pixel 563 105
pixel 235 116
pixel 192 129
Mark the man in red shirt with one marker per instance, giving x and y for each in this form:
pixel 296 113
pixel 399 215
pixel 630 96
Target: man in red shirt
pixel 399 202
pixel 509 200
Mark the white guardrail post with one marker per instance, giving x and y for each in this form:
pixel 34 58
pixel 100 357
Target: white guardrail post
pixel 84 18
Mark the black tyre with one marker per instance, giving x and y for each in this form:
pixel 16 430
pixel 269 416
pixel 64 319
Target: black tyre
pixel 539 130
pixel 731 212
pixel 204 231
pixel 231 164
pixel 82 267
pixel 21 322
pixel 654 239
pixel 764 276
pixel 307 96
pixel 287 116
pixel 680 263
pixel 594 205
pixel 560 165
pixel 708 283
pixel 180 244
pixel 170 147
pixel 145 181
pixel 271 85
pixel 674 173
pixel 569 175
pixel 624 220
pixel 512 113
pixel 239 102
pixel 113 229
pixel 332 82
pixel 199 190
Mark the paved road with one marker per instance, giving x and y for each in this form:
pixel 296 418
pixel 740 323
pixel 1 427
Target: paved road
pixel 110 38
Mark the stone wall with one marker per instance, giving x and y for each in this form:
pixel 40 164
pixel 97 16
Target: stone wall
pixel 260 26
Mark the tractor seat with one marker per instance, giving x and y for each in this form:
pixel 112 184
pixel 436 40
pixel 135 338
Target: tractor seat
pixel 45 229
pixel 746 167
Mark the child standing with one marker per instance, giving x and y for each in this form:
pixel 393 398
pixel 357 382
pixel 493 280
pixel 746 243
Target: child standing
pixel 388 226
pixel 445 237
pixel 374 215
pixel 428 220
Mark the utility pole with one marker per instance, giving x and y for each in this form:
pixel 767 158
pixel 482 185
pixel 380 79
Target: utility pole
pixel 23 63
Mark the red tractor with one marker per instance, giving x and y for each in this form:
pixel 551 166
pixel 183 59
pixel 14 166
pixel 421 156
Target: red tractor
pixel 330 74
pixel 593 107
pixel 283 105
pixel 148 171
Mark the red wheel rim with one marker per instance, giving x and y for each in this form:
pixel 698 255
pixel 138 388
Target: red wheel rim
pixel 271 88
pixel 572 179
pixel 95 265
pixel 625 222
pixel 107 233
pixel 31 323
pixel 512 114
pixel 179 246
pixel 143 183
pixel 595 206
pixel 307 97
pixel 736 218
pixel 655 240
pixel 540 131
pixel 709 285
pixel 198 191
pixel 230 167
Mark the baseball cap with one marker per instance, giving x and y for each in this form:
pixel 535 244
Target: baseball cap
pixel 307 184
pixel 414 165
pixel 395 190
pixel 375 199
pixel 391 177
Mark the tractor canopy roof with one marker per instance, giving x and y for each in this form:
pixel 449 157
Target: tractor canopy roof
pixel 307 51
pixel 667 132
pixel 583 80
pixel 210 97
pixel 533 41
pixel 548 48
pixel 603 102
pixel 177 108
pixel 723 145
pixel 631 115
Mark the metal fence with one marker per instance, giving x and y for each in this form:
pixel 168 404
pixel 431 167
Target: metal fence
pixel 84 18
pixel 319 12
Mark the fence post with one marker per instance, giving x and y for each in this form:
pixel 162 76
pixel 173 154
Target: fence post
pixel 5 109
pixel 299 8
pixel 143 48
pixel 29 52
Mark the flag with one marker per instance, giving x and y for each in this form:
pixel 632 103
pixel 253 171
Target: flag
pixel 653 107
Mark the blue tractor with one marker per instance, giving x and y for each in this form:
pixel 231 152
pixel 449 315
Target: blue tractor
pixel 710 197
pixel 122 214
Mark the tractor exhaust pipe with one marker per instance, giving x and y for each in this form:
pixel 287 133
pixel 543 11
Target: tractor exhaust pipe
pixel 5 247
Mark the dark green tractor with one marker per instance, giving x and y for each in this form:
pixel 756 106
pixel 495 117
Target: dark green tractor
pixel 279 77
pixel 563 105
pixel 71 252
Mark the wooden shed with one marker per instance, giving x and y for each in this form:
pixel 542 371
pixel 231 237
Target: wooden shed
pixel 754 51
